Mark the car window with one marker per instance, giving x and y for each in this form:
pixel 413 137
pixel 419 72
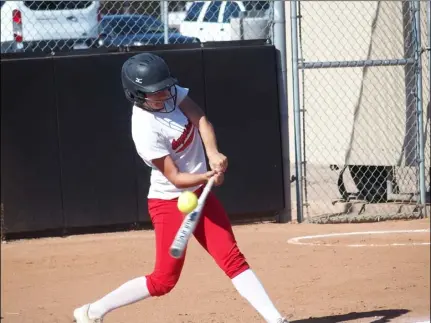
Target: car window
pixel 232 11
pixel 194 11
pixel 126 26
pixel 256 5
pixel 57 5
pixel 212 12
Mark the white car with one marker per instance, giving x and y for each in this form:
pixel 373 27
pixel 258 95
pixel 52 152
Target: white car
pixel 210 20
pixel 35 25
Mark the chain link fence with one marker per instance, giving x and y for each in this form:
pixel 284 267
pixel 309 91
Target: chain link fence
pixel 364 91
pixel 49 26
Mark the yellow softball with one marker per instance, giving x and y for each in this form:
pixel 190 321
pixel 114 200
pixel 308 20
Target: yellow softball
pixel 187 202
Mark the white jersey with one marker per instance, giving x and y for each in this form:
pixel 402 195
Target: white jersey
pixel 158 134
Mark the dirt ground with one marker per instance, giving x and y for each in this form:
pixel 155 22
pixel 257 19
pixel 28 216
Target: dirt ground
pixel 43 280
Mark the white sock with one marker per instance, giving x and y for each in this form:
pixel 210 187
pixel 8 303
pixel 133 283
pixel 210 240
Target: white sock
pixel 132 291
pixel 249 287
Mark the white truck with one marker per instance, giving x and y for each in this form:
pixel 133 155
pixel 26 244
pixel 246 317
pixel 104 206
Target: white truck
pixel 210 20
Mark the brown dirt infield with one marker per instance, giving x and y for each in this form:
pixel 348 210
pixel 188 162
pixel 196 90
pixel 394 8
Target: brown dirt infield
pixel 44 279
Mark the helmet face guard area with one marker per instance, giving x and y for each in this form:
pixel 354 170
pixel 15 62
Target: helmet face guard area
pixel 147 82
pixel 163 101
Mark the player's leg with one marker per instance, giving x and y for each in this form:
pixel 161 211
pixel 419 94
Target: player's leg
pixel 166 220
pixel 214 233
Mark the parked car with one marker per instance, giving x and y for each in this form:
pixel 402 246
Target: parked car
pixel 210 20
pixel 137 30
pixel 34 25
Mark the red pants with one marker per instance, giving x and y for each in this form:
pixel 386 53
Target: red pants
pixel 213 232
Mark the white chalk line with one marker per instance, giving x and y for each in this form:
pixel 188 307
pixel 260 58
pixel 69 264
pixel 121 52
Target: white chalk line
pixel 420 321
pixel 298 240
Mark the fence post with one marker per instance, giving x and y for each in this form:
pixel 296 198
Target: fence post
pixel 296 108
pixel 280 45
pixel 164 6
pixel 419 102
pixel 429 84
pixel 429 39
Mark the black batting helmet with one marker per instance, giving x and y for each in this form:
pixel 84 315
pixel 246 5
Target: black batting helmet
pixel 144 74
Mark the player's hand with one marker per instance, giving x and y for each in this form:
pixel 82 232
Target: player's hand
pixel 218 162
pixel 218 179
pixel 209 174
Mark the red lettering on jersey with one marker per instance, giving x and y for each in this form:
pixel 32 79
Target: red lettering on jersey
pixel 185 139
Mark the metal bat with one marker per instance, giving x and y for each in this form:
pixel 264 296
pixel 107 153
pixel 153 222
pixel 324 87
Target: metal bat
pixel 189 224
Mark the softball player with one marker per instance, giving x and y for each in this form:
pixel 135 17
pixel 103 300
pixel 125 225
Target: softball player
pixel 170 133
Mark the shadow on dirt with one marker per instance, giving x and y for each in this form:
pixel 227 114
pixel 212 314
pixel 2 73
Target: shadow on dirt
pixel 373 316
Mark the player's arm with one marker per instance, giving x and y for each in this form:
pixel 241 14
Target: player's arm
pixel 181 180
pixel 195 114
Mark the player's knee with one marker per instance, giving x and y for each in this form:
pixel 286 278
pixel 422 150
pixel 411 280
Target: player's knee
pixel 164 288
pixel 162 285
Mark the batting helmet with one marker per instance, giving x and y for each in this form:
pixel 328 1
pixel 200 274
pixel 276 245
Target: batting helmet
pixel 145 74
